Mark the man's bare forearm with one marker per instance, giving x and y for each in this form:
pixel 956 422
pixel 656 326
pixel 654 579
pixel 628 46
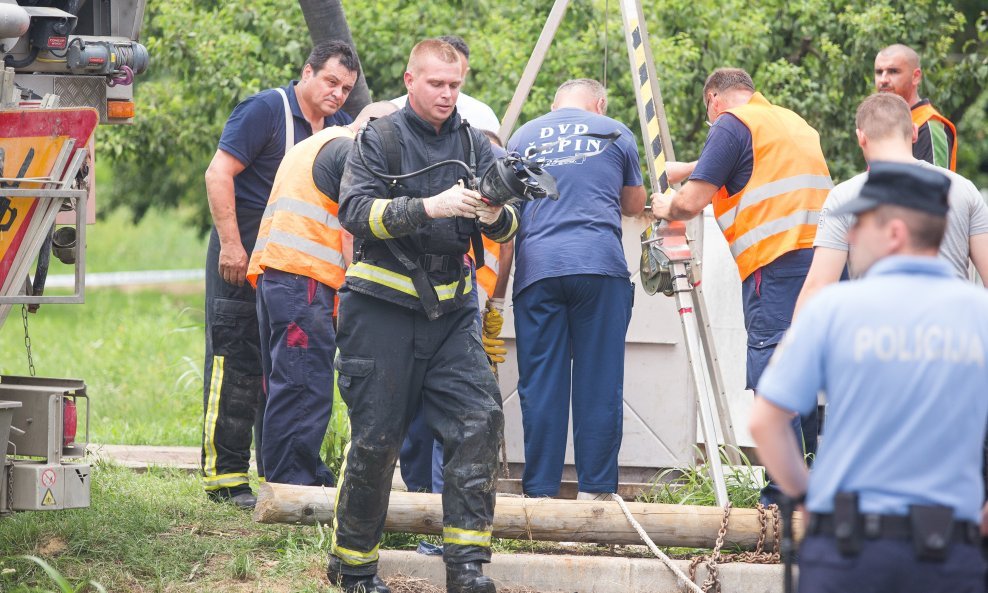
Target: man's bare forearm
pixel 222 207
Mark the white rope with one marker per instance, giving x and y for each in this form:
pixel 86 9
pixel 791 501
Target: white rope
pixel 655 550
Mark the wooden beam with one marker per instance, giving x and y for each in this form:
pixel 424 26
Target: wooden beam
pixel 543 519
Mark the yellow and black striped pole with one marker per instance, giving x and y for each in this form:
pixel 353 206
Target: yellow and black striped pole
pixel 675 245
pixel 655 130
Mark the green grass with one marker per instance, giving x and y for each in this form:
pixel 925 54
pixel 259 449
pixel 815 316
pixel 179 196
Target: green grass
pixel 157 532
pixel 141 355
pixel 141 352
pixel 694 486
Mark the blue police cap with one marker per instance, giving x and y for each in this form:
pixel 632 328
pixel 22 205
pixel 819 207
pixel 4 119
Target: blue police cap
pixel 908 185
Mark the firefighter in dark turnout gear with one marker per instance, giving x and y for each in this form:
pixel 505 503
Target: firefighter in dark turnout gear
pixel 408 333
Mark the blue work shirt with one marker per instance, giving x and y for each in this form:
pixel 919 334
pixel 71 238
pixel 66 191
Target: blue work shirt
pixel 255 135
pixel 581 232
pixel 728 156
pixel 901 357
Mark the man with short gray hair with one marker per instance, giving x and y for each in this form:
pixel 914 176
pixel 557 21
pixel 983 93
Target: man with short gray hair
pixel 572 296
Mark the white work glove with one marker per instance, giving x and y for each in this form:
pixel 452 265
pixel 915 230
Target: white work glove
pixel 496 304
pixel 488 214
pixel 455 201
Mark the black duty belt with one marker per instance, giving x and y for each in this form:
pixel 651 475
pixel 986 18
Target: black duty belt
pixel 875 526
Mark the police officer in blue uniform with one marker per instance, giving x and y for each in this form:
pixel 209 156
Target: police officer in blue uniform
pixel 895 494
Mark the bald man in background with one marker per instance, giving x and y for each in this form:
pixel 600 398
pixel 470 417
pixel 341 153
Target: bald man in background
pixel 897 70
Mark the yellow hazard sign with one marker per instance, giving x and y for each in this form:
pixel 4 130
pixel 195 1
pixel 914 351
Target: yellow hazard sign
pixel 48 500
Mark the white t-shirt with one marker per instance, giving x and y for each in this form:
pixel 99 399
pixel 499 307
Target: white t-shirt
pixel 477 113
pixel 968 216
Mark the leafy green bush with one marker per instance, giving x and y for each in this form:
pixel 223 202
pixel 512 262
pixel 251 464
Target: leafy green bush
pixel 814 57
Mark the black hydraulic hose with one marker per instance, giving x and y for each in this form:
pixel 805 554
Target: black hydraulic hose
pixel 363 159
pixel 10 62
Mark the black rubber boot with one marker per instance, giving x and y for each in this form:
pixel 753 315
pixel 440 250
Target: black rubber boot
pixel 468 578
pixel 239 497
pixel 349 583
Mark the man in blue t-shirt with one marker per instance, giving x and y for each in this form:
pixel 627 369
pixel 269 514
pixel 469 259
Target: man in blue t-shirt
pixel 255 138
pixel 572 296
pixel 895 494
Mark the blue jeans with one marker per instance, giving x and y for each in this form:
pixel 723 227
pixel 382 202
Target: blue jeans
pixel 570 337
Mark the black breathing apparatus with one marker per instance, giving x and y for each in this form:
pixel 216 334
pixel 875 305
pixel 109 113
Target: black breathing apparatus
pixel 511 178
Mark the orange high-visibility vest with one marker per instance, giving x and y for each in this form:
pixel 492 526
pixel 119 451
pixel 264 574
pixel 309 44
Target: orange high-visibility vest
pixel 487 274
pixel 925 113
pixel 300 232
pixel 777 211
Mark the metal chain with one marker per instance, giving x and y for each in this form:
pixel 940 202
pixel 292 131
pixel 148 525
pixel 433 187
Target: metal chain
pixel 758 556
pixel 505 472
pixel 27 341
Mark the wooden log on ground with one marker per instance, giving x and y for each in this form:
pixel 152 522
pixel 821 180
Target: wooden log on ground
pixel 543 519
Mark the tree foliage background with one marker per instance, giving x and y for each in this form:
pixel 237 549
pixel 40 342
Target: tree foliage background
pixel 813 56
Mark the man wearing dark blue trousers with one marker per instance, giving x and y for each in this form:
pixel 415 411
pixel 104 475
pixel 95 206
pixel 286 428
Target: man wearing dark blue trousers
pixel 297 266
pixel 572 296
pixel 238 183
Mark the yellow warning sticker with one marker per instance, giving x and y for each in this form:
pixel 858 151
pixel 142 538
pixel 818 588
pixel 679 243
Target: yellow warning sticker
pixel 48 500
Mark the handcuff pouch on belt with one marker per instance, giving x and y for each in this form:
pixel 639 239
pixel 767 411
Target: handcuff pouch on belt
pixel 931 528
pixel 847 523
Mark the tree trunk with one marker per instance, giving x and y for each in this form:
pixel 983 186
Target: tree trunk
pixel 543 519
pixel 326 21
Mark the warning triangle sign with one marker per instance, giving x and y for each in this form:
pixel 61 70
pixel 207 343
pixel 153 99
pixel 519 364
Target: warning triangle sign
pixel 48 500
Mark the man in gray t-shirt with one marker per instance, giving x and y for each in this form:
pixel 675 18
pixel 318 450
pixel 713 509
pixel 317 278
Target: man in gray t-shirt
pixel 886 133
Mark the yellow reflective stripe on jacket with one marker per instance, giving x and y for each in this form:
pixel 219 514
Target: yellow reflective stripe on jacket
pixel 400 282
pixel 376 219
pixel 466 537
pixel 302 208
pixel 302 245
pixel 774 227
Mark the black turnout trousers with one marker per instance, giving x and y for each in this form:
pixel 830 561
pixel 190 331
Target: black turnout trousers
pixel 391 361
